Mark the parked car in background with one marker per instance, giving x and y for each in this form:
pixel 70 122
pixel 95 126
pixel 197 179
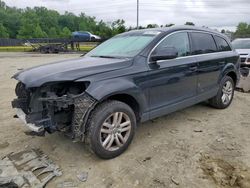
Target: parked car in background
pixel 133 77
pixel 84 35
pixel 242 46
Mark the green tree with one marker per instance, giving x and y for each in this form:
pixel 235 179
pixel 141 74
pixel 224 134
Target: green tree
pixel 47 18
pixel 189 23
pixel 42 22
pixel 39 33
pixel 169 25
pixel 83 26
pixel 3 32
pixel 66 33
pixel 118 26
pixel 68 20
pixel 29 22
pixel 243 29
pixel 103 30
pixel 2 4
pixel 52 33
pixel 152 26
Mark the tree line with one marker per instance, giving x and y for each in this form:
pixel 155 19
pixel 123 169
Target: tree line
pixel 40 22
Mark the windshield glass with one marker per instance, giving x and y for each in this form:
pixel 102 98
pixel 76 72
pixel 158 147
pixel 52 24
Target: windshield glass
pixel 241 44
pixel 125 45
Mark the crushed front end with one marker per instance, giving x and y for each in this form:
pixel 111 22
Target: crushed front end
pixel 54 107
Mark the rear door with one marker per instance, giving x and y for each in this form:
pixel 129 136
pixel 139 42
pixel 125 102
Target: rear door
pixel 209 62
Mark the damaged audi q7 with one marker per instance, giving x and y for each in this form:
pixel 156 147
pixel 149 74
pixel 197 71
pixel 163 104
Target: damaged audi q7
pixel 133 77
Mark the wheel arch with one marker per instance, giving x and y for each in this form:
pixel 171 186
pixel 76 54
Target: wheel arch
pixel 231 71
pixel 123 90
pixel 130 101
pixel 233 75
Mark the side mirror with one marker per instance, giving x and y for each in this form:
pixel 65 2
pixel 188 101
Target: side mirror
pixel 164 54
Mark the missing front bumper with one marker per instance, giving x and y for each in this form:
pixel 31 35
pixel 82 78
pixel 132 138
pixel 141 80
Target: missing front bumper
pixel 22 116
pixel 37 122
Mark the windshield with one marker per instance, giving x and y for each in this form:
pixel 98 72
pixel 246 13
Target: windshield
pixel 125 45
pixel 241 44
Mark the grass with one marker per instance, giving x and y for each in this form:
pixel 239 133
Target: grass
pixel 85 48
pixel 15 48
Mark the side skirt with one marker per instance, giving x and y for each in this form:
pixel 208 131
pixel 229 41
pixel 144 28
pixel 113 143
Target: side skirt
pixel 178 106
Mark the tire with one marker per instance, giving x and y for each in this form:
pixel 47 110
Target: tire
pixel 100 132
pixel 219 101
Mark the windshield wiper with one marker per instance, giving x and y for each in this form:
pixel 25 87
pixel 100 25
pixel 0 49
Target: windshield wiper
pixel 107 56
pixel 103 56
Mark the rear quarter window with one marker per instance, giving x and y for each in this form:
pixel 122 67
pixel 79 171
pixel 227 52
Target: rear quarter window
pixel 222 44
pixel 202 43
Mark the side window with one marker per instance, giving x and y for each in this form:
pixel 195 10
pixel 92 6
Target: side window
pixel 202 43
pixel 178 40
pixel 222 44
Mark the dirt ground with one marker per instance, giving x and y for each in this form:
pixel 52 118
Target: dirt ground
pixel 192 148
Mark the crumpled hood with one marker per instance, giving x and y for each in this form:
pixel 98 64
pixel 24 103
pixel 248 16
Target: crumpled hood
pixel 69 70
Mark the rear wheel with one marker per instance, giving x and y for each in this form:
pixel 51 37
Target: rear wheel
pixel 111 129
pixel 225 94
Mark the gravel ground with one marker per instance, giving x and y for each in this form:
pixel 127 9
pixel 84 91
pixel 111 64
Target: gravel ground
pixel 195 147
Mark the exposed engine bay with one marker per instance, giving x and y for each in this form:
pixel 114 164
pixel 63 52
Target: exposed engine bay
pixel 55 107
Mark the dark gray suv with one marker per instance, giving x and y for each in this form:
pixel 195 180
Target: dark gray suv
pixel 133 77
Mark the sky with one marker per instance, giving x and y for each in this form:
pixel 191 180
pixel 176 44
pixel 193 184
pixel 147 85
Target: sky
pixel 216 14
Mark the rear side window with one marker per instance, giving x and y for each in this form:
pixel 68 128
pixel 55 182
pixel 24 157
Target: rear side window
pixel 202 43
pixel 222 44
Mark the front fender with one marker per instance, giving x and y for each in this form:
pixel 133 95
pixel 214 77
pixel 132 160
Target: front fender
pixel 104 89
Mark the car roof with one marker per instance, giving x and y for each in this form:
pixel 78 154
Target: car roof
pixel 242 39
pixel 179 28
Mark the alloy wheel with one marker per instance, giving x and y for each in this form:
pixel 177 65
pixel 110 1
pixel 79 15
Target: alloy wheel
pixel 227 92
pixel 115 131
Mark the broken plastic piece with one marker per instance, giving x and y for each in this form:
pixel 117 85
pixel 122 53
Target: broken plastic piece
pixel 25 169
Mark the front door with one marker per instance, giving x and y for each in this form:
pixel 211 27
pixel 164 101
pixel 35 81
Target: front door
pixel 172 81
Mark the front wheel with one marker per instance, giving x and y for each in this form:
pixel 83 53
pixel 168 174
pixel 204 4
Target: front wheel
pixel 111 129
pixel 225 94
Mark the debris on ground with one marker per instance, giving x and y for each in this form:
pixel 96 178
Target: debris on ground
pixel 173 179
pixel 28 168
pixel 137 182
pixel 159 183
pixel 219 139
pixel 83 176
pixel 146 159
pixel 173 131
pixel 149 135
pixel 66 184
pixel 4 145
pixel 198 130
pixel 225 174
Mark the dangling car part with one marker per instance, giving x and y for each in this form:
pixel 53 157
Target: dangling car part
pixel 52 108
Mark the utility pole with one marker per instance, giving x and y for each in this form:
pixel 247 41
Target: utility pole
pixel 137 23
